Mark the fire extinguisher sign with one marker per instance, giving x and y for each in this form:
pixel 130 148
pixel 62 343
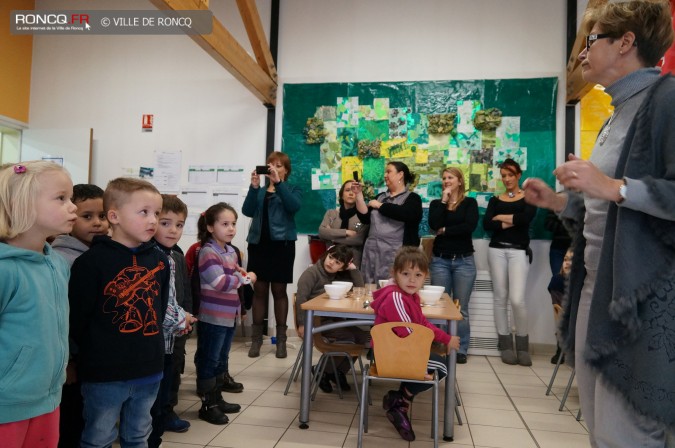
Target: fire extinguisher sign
pixel 147 122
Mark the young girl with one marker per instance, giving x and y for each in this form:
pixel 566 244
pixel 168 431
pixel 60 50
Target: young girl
pixel 399 302
pixel 34 205
pixel 337 263
pixel 219 276
pixel 556 288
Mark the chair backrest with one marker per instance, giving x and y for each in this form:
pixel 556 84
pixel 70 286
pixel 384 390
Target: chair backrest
pixel 397 357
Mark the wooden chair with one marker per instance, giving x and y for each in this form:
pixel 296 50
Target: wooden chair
pixel 399 359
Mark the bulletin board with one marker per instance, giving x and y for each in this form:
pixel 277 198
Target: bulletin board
pixel 330 130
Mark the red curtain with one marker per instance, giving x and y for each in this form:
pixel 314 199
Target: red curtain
pixel 669 64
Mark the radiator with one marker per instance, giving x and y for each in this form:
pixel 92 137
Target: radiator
pixel 483 331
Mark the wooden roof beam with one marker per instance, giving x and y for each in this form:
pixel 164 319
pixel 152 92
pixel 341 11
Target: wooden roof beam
pixel 576 86
pixel 256 34
pixel 225 49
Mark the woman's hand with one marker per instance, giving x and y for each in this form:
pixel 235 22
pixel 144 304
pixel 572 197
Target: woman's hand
pixel 440 231
pixel 581 175
pixel 274 174
pixel 255 179
pixel 374 203
pixel 350 233
pixel 539 194
pixel 447 194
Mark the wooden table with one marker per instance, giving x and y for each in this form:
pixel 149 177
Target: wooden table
pixel 444 312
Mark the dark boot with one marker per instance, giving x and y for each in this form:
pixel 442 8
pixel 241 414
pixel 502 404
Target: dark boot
pixel 224 406
pixel 281 341
pixel 522 349
pixel 210 412
pixel 256 340
pixel 558 353
pixel 230 385
pixel 506 349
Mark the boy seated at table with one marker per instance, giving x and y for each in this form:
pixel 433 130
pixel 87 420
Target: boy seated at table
pixel 399 302
pixel 335 264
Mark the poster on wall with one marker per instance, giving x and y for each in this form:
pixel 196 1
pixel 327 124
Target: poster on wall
pixel 330 130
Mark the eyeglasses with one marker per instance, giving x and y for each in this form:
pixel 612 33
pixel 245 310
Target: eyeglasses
pixel 591 38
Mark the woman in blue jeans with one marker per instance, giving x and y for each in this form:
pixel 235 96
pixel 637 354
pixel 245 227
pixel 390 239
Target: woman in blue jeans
pixel 454 218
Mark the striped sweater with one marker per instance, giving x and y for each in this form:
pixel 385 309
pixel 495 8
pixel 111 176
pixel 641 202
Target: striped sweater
pixel 219 280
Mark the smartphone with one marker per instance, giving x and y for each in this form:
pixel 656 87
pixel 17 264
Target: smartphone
pixel 262 169
pixel 356 176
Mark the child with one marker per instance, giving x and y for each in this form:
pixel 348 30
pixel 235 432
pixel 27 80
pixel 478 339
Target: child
pixel 556 288
pixel 34 204
pixel 400 303
pixel 119 292
pixel 335 264
pixel 219 276
pixel 90 222
pixel 177 321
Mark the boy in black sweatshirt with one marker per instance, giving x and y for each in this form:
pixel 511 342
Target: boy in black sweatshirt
pixel 118 296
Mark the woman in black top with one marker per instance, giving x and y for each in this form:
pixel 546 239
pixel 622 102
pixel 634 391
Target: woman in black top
pixel 508 216
pixel 454 218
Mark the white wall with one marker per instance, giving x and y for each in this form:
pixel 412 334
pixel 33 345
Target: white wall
pixel 108 82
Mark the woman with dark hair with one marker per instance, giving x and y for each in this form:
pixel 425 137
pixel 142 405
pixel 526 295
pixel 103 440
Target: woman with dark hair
pixel 271 246
pixel 454 217
pixel 619 318
pixel 343 226
pixel 508 217
pixel 394 218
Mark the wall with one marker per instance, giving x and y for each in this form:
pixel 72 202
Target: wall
pixel 16 57
pixel 107 82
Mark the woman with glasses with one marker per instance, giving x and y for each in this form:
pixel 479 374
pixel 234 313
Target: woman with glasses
pixel 343 226
pixel 620 319
pixel 454 217
pixel 508 217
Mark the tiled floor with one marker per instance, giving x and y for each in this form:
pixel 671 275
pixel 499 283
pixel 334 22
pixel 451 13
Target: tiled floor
pixel 503 407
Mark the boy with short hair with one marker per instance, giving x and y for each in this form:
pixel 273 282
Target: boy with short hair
pixel 119 292
pixel 91 221
pixel 171 224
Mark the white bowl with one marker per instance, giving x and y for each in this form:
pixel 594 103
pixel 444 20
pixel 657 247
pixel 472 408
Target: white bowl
pixel 346 285
pixel 334 291
pixel 434 288
pixel 429 297
pixel 383 283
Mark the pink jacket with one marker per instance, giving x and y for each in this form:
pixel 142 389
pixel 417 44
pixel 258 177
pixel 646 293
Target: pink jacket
pixel 392 304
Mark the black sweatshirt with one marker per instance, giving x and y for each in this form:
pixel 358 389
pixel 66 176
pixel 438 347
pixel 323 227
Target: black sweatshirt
pixel 518 235
pixel 459 225
pixel 118 297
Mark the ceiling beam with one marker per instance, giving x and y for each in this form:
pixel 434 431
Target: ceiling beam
pixel 225 49
pixel 256 34
pixel 576 86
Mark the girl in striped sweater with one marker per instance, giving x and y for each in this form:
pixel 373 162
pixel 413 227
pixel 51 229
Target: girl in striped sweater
pixel 220 275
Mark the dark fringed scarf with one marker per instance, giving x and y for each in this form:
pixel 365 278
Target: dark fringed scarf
pixel 345 215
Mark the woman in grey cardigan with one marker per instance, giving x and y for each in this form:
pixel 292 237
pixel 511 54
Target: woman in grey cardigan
pixel 343 225
pixel 620 315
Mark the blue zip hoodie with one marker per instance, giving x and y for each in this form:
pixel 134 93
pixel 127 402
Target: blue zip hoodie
pixel 33 331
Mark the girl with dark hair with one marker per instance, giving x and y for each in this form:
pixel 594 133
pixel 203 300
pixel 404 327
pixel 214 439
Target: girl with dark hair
pixel 454 217
pixel 271 246
pixel 508 217
pixel 220 276
pixel 335 264
pixel 343 226
pixel 394 218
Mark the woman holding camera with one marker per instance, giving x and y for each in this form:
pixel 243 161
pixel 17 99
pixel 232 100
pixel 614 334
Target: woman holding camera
pixel 271 245
pixel 344 226
pixel 453 218
pixel 394 218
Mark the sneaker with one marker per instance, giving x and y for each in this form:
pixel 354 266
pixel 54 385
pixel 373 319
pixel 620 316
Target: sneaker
pixel 392 399
pixel 176 425
pixel 344 385
pixel 399 418
pixel 461 358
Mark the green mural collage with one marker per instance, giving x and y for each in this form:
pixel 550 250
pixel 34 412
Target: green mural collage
pixel 331 130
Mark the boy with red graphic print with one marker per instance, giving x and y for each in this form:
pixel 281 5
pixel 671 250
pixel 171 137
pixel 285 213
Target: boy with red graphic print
pixel 119 293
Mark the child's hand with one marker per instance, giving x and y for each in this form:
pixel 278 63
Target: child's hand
pixel 189 320
pixel 454 344
pixel 241 270
pixel 301 331
pixel 252 276
pixel 71 373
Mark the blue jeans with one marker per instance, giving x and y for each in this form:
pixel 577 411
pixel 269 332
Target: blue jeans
pixel 105 403
pixel 213 349
pixel 458 277
pixel 158 410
